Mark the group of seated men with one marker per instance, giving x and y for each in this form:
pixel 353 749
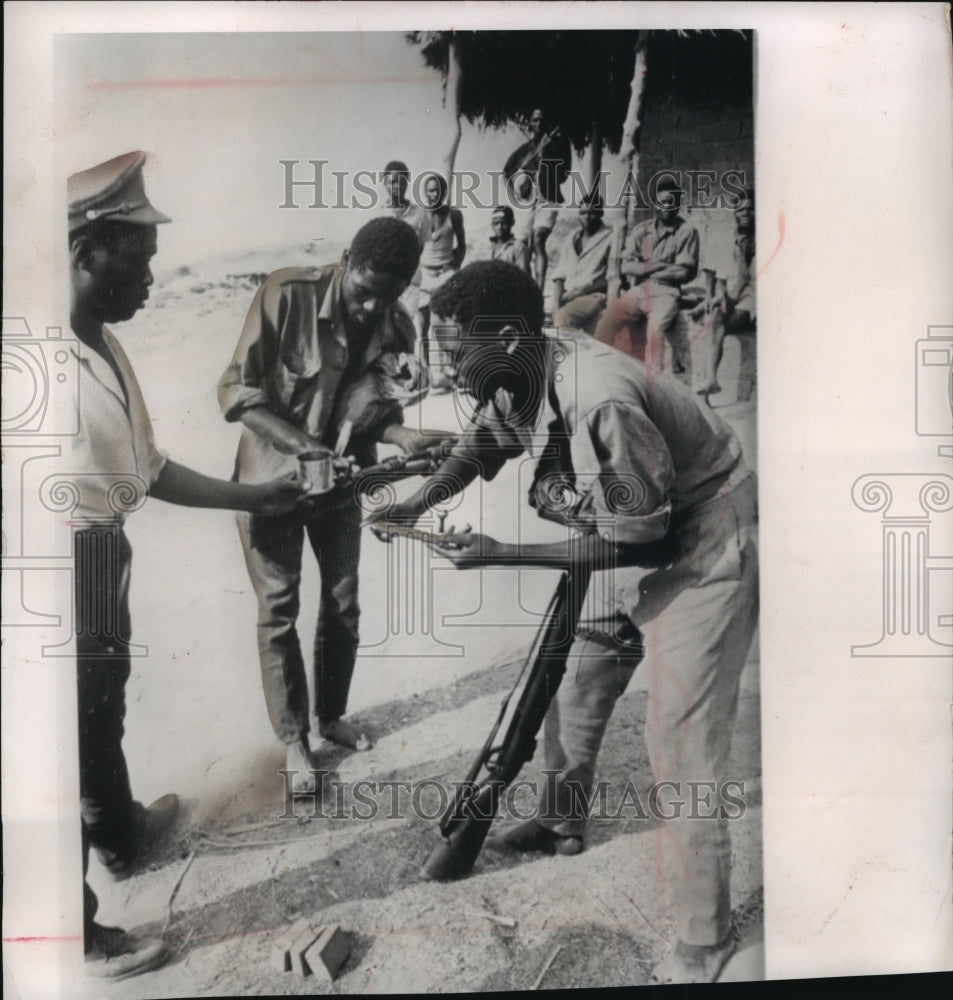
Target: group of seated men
pixel 629 295
pixel 658 260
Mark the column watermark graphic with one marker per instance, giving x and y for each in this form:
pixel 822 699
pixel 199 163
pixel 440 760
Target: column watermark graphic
pixel 911 625
pixel 914 622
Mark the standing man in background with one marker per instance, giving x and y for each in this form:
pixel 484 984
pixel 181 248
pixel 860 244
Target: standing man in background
pixel 539 168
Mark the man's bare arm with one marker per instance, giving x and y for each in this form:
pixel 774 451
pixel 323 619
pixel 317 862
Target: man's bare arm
pixel 679 273
pixel 642 268
pixel 450 479
pixel 179 484
pixel 590 548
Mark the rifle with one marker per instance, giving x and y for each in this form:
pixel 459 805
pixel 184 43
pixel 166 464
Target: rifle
pixel 465 824
pixel 533 153
pixel 511 171
pixel 422 463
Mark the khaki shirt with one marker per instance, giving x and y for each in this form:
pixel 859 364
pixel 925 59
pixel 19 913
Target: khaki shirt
pixel 635 443
pixel 513 251
pixel 293 358
pixel 675 244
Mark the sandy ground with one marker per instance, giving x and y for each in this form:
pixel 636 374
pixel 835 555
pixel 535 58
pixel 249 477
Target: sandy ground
pixel 428 684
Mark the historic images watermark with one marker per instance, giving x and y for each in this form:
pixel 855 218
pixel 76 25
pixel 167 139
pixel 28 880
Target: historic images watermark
pixel 429 798
pixel 311 184
pixel 913 622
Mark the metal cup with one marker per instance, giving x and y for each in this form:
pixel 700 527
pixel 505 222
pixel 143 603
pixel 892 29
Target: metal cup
pixel 317 469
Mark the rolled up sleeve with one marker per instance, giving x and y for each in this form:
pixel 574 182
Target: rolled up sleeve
pixel 242 385
pixel 631 491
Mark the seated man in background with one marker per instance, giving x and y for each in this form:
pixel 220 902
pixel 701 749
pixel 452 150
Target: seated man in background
pixel 504 245
pixel 580 280
pixel 660 257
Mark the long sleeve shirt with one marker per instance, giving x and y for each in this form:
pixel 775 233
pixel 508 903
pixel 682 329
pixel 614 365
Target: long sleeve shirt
pixel 634 444
pixel 655 241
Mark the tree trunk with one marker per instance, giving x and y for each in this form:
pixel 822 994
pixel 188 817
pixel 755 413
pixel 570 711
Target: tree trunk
pixel 630 162
pixel 452 93
pixel 595 154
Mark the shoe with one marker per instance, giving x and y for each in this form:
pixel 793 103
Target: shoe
pixel 689 963
pixel 300 762
pixel 150 827
pixel 115 955
pixel 345 734
pixel 531 836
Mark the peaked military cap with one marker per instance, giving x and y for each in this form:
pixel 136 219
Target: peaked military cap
pixel 112 190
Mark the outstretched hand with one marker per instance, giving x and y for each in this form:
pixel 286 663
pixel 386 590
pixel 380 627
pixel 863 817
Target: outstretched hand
pixel 413 442
pixel 468 549
pixel 282 495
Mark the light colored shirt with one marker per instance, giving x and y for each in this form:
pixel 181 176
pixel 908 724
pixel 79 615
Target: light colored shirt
pixel 513 251
pixel 675 244
pixel 580 265
pixel 114 459
pixel 635 442
pixel 293 358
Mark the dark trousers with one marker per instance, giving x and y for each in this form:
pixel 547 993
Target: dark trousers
pixel 273 548
pixel 102 567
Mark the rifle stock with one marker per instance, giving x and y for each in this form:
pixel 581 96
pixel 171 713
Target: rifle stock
pixel 465 825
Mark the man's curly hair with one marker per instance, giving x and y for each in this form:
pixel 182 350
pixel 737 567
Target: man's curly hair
pixel 490 289
pixel 387 246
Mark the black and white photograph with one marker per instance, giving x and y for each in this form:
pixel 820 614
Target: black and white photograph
pixel 423 524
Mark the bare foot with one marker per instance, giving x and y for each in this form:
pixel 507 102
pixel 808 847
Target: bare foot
pixel 344 733
pixel 300 763
pixel 693 963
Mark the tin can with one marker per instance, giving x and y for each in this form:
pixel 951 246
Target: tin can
pixel 317 469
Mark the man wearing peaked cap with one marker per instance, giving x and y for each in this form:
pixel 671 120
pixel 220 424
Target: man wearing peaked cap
pixel 112 239
pixel 113 190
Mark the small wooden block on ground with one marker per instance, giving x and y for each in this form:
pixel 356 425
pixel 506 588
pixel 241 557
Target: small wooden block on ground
pixel 300 947
pixel 326 955
pixel 281 946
